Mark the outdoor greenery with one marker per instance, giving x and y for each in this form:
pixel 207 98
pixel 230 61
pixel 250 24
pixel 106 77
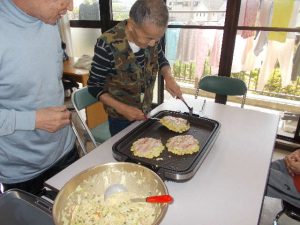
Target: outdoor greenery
pixel 273 87
pixel 119 12
pixel 185 72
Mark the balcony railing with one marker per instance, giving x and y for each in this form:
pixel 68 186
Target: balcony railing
pixel 185 72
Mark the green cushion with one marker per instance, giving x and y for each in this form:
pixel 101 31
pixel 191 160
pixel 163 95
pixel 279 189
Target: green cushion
pixel 101 132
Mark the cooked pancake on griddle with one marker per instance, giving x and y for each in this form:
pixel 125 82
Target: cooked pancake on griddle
pixel 147 147
pixel 175 124
pixel 183 144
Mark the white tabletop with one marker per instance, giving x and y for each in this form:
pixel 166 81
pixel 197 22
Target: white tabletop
pixel 228 188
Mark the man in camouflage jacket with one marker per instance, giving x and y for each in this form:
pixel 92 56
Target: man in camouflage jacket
pixel 127 60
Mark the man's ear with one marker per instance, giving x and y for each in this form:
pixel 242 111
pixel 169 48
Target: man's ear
pixel 130 24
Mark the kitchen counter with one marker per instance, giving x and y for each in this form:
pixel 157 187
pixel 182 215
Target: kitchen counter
pixel 228 188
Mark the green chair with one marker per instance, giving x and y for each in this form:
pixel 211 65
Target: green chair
pixel 223 86
pixel 81 99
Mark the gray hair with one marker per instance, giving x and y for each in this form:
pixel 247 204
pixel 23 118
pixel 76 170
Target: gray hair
pixel 154 11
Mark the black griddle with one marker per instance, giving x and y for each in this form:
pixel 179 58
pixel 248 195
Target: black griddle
pixel 168 165
pixel 18 207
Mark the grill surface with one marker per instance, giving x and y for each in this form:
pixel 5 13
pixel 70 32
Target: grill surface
pixel 168 165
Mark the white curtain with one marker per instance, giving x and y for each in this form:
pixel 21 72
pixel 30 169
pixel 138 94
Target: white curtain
pixel 65 32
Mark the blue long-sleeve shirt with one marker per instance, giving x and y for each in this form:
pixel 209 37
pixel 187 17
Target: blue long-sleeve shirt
pixel 30 78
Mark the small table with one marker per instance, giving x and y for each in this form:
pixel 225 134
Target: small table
pixel 95 114
pixel 229 186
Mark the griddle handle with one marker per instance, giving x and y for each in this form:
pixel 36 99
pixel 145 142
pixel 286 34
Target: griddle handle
pixel 158 171
pixel 129 160
pixel 43 204
pixel 161 174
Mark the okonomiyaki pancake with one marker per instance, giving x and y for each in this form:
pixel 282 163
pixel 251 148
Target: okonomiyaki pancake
pixel 147 147
pixel 175 124
pixel 183 144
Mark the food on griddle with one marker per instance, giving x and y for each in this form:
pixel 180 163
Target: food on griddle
pixel 175 124
pixel 147 147
pixel 183 144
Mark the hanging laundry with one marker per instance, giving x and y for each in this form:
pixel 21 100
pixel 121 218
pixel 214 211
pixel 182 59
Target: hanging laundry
pixel 172 37
pixel 242 14
pixel 186 45
pixel 215 53
pixel 296 65
pixel 247 17
pixel 264 20
pixel 249 60
pixel 294 22
pixel 281 18
pixel 281 52
pixel 203 45
pixel 239 49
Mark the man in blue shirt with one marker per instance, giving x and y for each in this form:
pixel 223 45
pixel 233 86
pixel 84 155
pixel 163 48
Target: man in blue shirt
pixel 36 140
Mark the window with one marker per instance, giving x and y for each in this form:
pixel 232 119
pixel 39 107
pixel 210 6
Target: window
pixel 212 37
pixel 197 12
pixel 84 40
pixel 120 9
pixel 85 10
pixel 194 39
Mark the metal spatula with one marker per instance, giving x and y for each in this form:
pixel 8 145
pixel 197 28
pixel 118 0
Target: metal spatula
pixel 190 108
pixel 151 118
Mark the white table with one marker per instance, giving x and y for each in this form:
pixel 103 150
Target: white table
pixel 228 188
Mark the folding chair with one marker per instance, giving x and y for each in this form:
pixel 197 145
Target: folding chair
pixel 81 99
pixel 223 86
pixel 291 211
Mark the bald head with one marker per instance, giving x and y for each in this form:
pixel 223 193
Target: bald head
pixel 152 11
pixel 48 11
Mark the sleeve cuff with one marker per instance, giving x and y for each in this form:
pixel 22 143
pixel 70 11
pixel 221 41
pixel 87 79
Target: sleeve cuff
pixel 25 120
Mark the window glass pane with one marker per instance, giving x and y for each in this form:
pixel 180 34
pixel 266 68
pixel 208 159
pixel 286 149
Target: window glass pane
pixel 121 9
pixel 193 53
pixel 271 70
pixel 85 10
pixel 273 66
pixel 84 40
pixel 265 13
pixel 205 12
pixel 288 124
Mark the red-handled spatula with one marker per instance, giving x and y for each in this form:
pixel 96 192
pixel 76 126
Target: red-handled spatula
pixel 154 199
pixel 115 188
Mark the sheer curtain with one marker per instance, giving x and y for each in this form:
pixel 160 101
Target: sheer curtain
pixel 65 32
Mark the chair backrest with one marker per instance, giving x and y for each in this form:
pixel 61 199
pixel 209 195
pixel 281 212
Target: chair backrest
pixel 81 99
pixel 223 86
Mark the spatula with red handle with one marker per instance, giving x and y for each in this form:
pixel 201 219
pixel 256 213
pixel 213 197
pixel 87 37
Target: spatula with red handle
pixel 115 188
pixel 154 199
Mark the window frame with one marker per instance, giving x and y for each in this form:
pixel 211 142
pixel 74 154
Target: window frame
pixel 230 30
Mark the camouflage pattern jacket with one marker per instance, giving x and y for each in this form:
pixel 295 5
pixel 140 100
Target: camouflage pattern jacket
pixel 133 85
